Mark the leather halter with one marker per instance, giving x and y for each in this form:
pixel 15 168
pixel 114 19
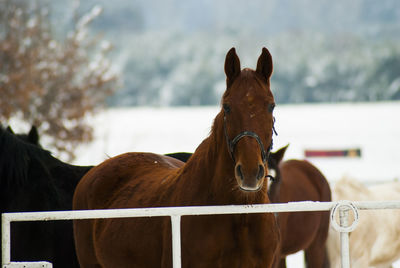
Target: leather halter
pixel 232 143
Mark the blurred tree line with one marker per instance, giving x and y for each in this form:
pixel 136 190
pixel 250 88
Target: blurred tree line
pixel 172 54
pixel 181 69
pixel 48 80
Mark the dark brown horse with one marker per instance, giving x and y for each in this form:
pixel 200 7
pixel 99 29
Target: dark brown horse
pixel 32 137
pixel 228 167
pixel 299 180
pixel 31 179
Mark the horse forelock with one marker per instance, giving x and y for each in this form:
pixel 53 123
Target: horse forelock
pixel 248 79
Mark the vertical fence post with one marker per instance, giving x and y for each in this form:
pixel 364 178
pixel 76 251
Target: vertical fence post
pixel 176 241
pixel 5 240
pixel 343 207
pixel 344 238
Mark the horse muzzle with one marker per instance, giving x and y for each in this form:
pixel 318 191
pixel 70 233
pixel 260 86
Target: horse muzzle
pixel 250 180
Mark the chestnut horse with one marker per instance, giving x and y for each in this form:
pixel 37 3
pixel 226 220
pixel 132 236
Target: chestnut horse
pixel 299 180
pixel 227 168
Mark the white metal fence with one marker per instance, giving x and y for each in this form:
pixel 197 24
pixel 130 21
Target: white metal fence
pixel 343 207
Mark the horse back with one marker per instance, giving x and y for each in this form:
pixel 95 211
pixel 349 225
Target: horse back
pixel 115 182
pixel 302 181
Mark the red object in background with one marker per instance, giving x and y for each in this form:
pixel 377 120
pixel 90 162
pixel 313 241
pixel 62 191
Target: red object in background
pixel 356 152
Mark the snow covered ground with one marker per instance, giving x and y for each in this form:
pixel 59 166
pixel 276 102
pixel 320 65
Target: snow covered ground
pixel 373 127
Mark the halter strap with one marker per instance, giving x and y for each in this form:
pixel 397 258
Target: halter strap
pixel 232 143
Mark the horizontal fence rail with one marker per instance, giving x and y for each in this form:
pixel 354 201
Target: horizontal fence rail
pixel 176 212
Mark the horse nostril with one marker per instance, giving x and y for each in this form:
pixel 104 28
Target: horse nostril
pixel 239 172
pixel 261 172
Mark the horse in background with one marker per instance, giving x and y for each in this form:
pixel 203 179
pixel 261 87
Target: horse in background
pixel 375 242
pixel 228 167
pixel 183 156
pixel 31 179
pixel 299 180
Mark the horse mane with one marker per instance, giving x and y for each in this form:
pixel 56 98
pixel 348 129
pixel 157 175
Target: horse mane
pixel 15 159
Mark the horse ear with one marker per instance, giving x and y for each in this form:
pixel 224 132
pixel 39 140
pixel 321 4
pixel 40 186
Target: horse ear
pixel 33 135
pixel 264 64
pixel 9 129
pixel 232 66
pixel 278 155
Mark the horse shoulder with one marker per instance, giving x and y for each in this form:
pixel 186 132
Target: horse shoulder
pixel 129 180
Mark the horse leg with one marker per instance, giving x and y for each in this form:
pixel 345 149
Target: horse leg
pixel 316 257
pixel 316 254
pixel 84 244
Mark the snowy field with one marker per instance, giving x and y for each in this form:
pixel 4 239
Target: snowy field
pixel 373 127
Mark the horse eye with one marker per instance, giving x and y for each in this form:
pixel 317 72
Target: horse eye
pixel 271 107
pixel 226 107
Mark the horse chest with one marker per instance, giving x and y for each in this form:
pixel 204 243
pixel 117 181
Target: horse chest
pixel 225 241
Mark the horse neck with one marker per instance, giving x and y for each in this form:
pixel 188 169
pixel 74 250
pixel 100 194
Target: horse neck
pixel 209 175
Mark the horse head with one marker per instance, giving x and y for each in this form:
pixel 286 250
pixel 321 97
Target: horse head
pixel 32 136
pixel 25 179
pixel 248 105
